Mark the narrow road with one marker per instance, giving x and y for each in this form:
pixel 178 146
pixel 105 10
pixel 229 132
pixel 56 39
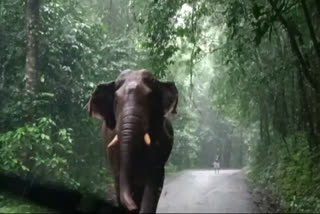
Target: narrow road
pixel 203 191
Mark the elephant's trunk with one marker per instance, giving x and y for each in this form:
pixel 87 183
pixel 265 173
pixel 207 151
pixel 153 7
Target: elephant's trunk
pixel 131 133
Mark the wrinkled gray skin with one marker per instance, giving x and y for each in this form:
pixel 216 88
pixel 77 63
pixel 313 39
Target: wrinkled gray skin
pixel 134 104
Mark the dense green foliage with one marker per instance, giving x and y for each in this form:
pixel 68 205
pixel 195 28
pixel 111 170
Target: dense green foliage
pixel 74 54
pixel 53 147
pixel 246 71
pixel 275 65
pixel 262 58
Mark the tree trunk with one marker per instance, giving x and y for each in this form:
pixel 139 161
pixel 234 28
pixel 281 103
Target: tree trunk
pixel 307 117
pixel 311 28
pixel 241 152
pixel 227 153
pixel 295 48
pixel 317 3
pixel 32 21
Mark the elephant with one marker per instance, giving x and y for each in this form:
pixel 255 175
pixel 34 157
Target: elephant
pixel 137 134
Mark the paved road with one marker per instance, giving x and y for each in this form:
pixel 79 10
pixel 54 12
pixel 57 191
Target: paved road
pixel 203 191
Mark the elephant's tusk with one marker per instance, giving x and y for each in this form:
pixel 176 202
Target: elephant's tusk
pixel 147 139
pixel 114 141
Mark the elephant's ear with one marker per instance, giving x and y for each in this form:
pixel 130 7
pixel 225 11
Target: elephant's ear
pixel 169 97
pixel 101 103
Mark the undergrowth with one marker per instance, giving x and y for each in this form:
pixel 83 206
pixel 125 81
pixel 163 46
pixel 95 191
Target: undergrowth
pixel 292 175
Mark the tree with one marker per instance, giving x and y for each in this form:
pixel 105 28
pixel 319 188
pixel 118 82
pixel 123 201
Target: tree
pixel 32 22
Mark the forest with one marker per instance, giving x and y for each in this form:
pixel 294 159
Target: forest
pixel 247 72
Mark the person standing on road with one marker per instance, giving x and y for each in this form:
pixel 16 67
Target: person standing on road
pixel 216 166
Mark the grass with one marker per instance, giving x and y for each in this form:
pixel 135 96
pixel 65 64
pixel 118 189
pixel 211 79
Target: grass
pixel 10 204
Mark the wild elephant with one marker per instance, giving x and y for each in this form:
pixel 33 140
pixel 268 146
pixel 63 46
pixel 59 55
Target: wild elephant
pixel 137 134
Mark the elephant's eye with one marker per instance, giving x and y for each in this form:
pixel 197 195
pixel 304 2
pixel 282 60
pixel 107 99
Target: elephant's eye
pixel 119 84
pixel 148 81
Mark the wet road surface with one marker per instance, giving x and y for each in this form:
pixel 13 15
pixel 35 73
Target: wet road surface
pixel 203 191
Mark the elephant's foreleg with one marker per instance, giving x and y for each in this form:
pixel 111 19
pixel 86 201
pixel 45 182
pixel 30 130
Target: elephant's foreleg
pixel 137 194
pixel 117 188
pixel 113 157
pixel 152 191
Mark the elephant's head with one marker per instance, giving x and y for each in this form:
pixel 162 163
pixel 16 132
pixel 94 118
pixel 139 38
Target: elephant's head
pixel 134 105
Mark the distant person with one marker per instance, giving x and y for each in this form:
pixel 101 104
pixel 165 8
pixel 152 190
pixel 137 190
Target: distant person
pixel 216 166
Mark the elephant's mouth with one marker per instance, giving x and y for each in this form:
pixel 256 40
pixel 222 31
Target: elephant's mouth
pixel 115 140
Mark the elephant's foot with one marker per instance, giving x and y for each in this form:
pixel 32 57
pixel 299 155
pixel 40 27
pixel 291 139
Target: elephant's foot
pixel 127 201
